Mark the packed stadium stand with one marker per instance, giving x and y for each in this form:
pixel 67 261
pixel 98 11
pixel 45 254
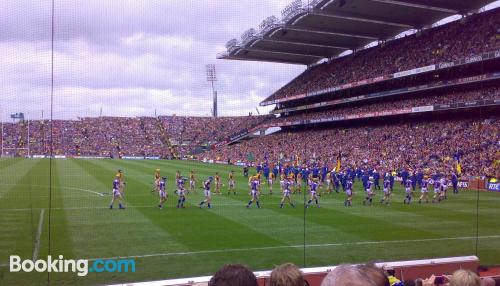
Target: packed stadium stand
pixel 409 102
pixel 413 101
pixel 120 136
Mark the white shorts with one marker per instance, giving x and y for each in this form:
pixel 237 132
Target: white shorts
pixel 386 191
pixel 231 183
pixel 207 193
pixel 254 193
pixel 163 194
pixel 191 183
pixel 116 193
pixel 424 190
pixel 348 192
pixel 408 190
pixel 369 192
pixel 286 193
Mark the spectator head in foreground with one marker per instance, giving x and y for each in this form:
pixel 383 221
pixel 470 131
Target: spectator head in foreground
pixel 464 278
pixel 488 281
pixel 233 275
pixel 348 275
pixel 287 274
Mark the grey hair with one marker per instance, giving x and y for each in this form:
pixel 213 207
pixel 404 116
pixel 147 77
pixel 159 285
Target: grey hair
pixel 347 275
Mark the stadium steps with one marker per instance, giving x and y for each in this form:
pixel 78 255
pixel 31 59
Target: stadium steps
pixel 166 140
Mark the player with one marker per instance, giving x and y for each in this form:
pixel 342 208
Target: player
pixel 206 192
pixel 217 183
pixel 369 192
pixel 117 195
pixel 270 182
pixel 424 189
pixel 299 182
pixel 230 183
pixel 254 192
pixel 192 182
pixel 157 180
pixel 162 191
pixel 348 192
pixel 437 190
pixel 408 191
pixel 181 192
pixel 313 189
pixel 387 191
pixel 287 194
pixel 122 184
pixel 444 187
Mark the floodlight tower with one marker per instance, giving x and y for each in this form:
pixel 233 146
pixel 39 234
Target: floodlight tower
pixel 211 77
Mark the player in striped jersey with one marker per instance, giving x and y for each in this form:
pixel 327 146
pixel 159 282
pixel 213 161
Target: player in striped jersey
pixel 181 192
pixel 207 194
pixel 287 194
pixel 424 189
pixel 369 192
pixel 117 195
pixel 162 191
pixel 313 192
pixel 387 192
pixel 408 191
pixel 254 192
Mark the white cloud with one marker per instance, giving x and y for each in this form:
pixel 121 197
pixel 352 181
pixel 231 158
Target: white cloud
pixel 131 57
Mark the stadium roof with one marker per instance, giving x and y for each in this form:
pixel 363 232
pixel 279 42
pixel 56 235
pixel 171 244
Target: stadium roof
pixel 308 33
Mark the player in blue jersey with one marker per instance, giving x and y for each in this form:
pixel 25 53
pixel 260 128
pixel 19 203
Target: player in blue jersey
pixel 254 192
pixel 369 192
pixel 348 192
pixel 437 190
pixel 287 194
pixel 207 193
pixel 162 191
pixel 117 194
pixel 313 192
pixel 387 192
pixel 408 191
pixel 181 193
pixel 424 184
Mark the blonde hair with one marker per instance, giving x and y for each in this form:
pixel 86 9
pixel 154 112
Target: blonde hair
pixel 464 278
pixel 287 274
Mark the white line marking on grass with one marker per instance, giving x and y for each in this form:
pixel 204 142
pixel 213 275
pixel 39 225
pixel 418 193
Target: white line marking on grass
pixel 38 235
pixel 295 246
pixel 291 246
pixel 61 188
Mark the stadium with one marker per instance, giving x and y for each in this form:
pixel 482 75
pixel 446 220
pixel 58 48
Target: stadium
pixel 374 149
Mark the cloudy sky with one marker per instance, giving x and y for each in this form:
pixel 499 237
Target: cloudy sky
pixel 130 58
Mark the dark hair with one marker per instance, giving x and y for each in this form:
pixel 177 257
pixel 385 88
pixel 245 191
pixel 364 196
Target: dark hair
pixel 233 275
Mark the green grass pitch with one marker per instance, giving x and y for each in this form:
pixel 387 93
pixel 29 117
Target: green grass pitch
pixel 175 243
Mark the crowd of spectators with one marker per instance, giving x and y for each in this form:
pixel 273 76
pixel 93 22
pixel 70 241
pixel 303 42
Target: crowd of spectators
pixel 393 146
pixel 203 130
pixel 434 98
pixel 456 40
pixel 289 274
pixel 120 136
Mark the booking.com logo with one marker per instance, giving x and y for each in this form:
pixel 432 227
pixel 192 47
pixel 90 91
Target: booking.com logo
pixel 80 266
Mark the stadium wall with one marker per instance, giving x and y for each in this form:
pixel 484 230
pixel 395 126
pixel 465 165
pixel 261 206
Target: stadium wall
pixel 405 270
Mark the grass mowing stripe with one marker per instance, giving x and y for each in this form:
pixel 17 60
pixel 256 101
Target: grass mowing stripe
pixel 38 235
pixel 296 246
